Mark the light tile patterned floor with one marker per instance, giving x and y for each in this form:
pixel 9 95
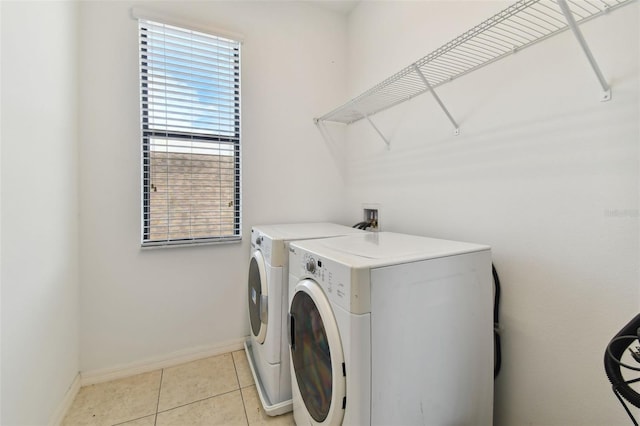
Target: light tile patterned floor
pixel 212 391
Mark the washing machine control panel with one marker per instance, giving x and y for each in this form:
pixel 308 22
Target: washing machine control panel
pixel 262 243
pixel 333 277
pixel 312 266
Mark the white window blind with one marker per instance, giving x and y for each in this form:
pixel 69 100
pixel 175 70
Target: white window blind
pixel 190 116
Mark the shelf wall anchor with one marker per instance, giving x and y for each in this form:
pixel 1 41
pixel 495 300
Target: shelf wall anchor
pixel 566 11
pixel 456 128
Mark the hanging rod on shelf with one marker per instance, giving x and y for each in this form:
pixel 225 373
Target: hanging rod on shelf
pixel 520 25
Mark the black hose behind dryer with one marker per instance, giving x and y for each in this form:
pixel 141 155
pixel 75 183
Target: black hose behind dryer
pixel 612 363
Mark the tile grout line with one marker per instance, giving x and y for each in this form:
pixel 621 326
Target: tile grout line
pixel 198 400
pixel 244 406
pixel 141 417
pixel 131 420
pixel 155 420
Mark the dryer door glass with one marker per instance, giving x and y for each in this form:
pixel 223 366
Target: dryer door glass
pixel 311 356
pixel 255 293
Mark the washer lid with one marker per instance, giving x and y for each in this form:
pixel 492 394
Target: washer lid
pixel 385 248
pixel 303 231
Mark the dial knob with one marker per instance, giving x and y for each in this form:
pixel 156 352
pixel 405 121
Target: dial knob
pixel 311 266
pixel 259 240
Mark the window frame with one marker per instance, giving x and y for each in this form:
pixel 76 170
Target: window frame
pixel 148 133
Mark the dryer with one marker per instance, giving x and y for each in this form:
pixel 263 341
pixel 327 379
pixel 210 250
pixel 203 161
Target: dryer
pixel 387 328
pixel 266 347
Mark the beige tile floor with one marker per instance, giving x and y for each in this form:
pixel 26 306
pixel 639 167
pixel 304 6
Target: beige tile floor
pixel 213 391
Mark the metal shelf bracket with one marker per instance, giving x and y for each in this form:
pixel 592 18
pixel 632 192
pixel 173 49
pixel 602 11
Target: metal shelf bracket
pixel 566 11
pixel 456 128
pixel 386 141
pixel 319 124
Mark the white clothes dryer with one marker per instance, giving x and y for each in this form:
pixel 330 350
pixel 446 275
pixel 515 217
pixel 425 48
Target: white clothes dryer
pixel 390 329
pixel 266 347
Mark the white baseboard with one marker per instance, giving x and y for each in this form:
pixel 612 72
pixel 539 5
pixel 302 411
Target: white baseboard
pixel 61 411
pixel 156 363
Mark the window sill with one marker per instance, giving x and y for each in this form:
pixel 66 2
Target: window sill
pixel 190 243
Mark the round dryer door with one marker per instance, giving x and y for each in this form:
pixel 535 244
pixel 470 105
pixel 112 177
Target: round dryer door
pixel 316 353
pixel 258 297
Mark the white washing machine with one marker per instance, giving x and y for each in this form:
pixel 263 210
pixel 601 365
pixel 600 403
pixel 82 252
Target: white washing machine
pixel 266 347
pixel 390 329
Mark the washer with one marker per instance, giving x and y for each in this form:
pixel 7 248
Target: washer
pixel 266 347
pixel 390 329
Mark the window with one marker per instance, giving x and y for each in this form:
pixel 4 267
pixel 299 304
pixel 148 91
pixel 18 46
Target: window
pixel 190 117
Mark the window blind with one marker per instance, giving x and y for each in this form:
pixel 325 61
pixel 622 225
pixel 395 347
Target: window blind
pixel 190 116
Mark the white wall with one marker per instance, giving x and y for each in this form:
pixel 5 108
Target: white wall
pixel 137 305
pixel 542 171
pixel 39 209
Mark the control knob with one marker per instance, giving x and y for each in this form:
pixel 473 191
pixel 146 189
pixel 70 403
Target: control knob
pixel 311 266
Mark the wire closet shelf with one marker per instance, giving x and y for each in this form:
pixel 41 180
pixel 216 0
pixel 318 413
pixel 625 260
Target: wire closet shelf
pixel 520 25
